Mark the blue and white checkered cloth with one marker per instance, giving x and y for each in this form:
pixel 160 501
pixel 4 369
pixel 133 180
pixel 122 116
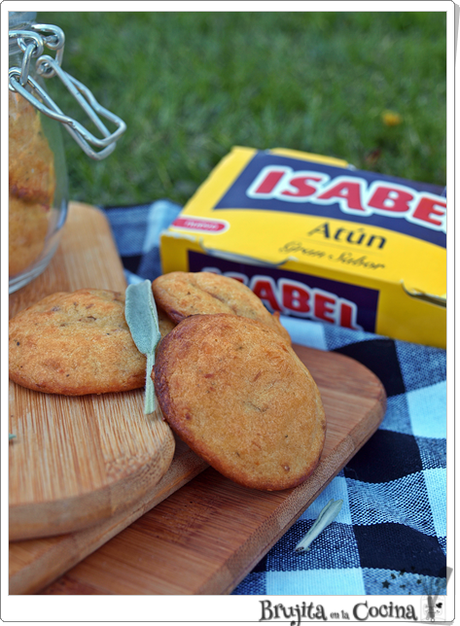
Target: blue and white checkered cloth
pixel 390 535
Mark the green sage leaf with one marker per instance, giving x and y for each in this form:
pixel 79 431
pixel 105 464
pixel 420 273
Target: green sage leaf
pixel 326 517
pixel 142 319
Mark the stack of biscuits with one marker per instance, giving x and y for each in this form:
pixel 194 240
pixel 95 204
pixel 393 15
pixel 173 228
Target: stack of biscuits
pixel 226 377
pixel 31 184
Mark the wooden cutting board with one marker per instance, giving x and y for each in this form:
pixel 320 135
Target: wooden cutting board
pixel 205 532
pixel 78 460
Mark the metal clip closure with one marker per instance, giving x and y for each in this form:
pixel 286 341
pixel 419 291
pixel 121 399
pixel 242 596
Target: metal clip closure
pixel 54 41
pixel 32 44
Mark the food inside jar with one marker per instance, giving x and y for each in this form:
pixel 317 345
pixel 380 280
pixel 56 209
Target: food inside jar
pixel 32 183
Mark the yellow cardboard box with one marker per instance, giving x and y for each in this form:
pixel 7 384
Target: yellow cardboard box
pixel 315 238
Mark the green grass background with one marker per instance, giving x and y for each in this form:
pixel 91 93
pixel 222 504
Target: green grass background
pixel 192 85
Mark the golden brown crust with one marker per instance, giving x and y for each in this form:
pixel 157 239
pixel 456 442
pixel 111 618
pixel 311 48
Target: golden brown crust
pixel 28 227
pixel 238 395
pixel 32 184
pixel 182 294
pixel 165 323
pixel 75 344
pixel 31 160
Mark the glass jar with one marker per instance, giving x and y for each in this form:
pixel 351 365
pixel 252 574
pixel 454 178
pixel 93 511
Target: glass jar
pixel 38 193
pixel 38 190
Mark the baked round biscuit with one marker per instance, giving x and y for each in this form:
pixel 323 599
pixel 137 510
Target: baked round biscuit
pixel 75 344
pixel 239 396
pixel 165 323
pixel 31 160
pixel 190 293
pixel 27 229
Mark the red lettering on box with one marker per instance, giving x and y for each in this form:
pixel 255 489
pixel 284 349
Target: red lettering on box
pixel 200 224
pixel 347 191
pixel 390 199
pixel 302 188
pixel 431 210
pixel 291 297
pixel 348 312
pixel 325 307
pixel 295 297
pixel 265 288
pixel 352 194
pixel 270 181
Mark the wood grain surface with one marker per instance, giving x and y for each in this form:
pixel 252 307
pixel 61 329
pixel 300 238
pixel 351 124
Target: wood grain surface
pixel 34 563
pixel 204 533
pixel 208 535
